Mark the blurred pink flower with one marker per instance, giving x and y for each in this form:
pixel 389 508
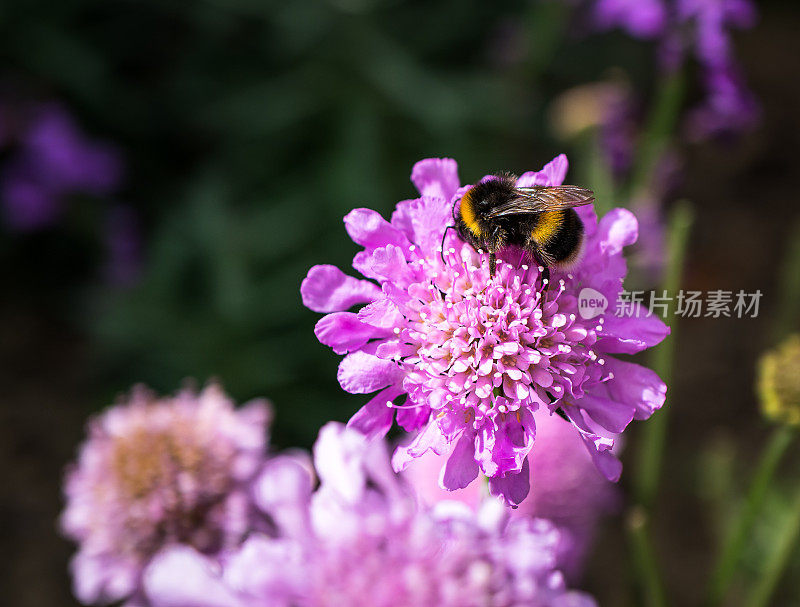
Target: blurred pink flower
pixel 362 541
pixel 154 472
pixel 566 488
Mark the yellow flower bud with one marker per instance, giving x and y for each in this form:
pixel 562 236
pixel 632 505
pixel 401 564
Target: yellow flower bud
pixel 779 382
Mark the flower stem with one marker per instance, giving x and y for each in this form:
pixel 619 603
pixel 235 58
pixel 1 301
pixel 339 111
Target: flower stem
pixel 660 126
pixel 644 559
pixel 790 282
pixel 726 566
pixel 600 177
pixel 655 430
pixel 777 560
pixel 770 458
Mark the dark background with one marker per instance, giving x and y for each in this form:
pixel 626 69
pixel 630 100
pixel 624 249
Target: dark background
pixel 248 129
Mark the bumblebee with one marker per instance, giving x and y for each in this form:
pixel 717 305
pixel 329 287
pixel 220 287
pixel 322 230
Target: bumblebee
pixel 540 219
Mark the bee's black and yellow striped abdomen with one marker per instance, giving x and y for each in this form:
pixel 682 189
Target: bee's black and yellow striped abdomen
pixel 558 234
pixel 469 215
pixel 494 214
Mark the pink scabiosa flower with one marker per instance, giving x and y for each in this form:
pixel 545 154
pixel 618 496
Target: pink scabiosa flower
pixel 476 355
pixel 367 544
pixel 566 489
pixel 154 472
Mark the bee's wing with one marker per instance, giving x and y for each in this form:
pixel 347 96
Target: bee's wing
pixel 542 198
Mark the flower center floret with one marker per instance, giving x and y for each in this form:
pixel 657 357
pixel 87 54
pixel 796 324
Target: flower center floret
pixel 483 346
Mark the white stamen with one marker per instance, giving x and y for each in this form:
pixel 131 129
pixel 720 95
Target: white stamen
pixel 391 405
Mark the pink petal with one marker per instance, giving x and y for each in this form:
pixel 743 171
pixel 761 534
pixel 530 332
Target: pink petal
pixel 430 438
pixel 328 289
pixel 612 415
pixel 388 263
pixel 362 373
pixel 437 177
pixel 460 469
pixel 424 220
pixel 556 169
pixel 413 418
pixel 266 567
pixel 338 459
pixel 638 385
pixel 382 313
pixel 367 228
pixel 344 332
pixel 283 491
pixel 599 447
pixel 617 229
pixel 622 334
pixel 200 583
pixel 513 487
pixel 553 173
pixel 375 418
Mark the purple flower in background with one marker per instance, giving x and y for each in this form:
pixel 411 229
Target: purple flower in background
pixel 729 107
pixel 617 134
pixel 475 356
pixel 361 540
pixel 710 19
pixel 158 472
pixel 565 489
pixel 650 253
pixel 640 18
pixel 53 160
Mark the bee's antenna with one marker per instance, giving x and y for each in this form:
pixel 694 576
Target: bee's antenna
pixel 441 249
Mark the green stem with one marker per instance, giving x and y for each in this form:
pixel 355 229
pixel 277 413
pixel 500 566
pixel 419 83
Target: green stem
pixel 790 280
pixel 777 561
pixel 600 177
pixel 655 431
pixel 770 458
pixel 644 559
pixel 660 127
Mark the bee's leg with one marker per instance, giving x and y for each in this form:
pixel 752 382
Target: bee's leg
pixel 441 250
pixel 539 258
pixel 545 275
pixel 492 263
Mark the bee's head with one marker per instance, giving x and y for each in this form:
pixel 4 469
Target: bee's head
pixel 490 193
